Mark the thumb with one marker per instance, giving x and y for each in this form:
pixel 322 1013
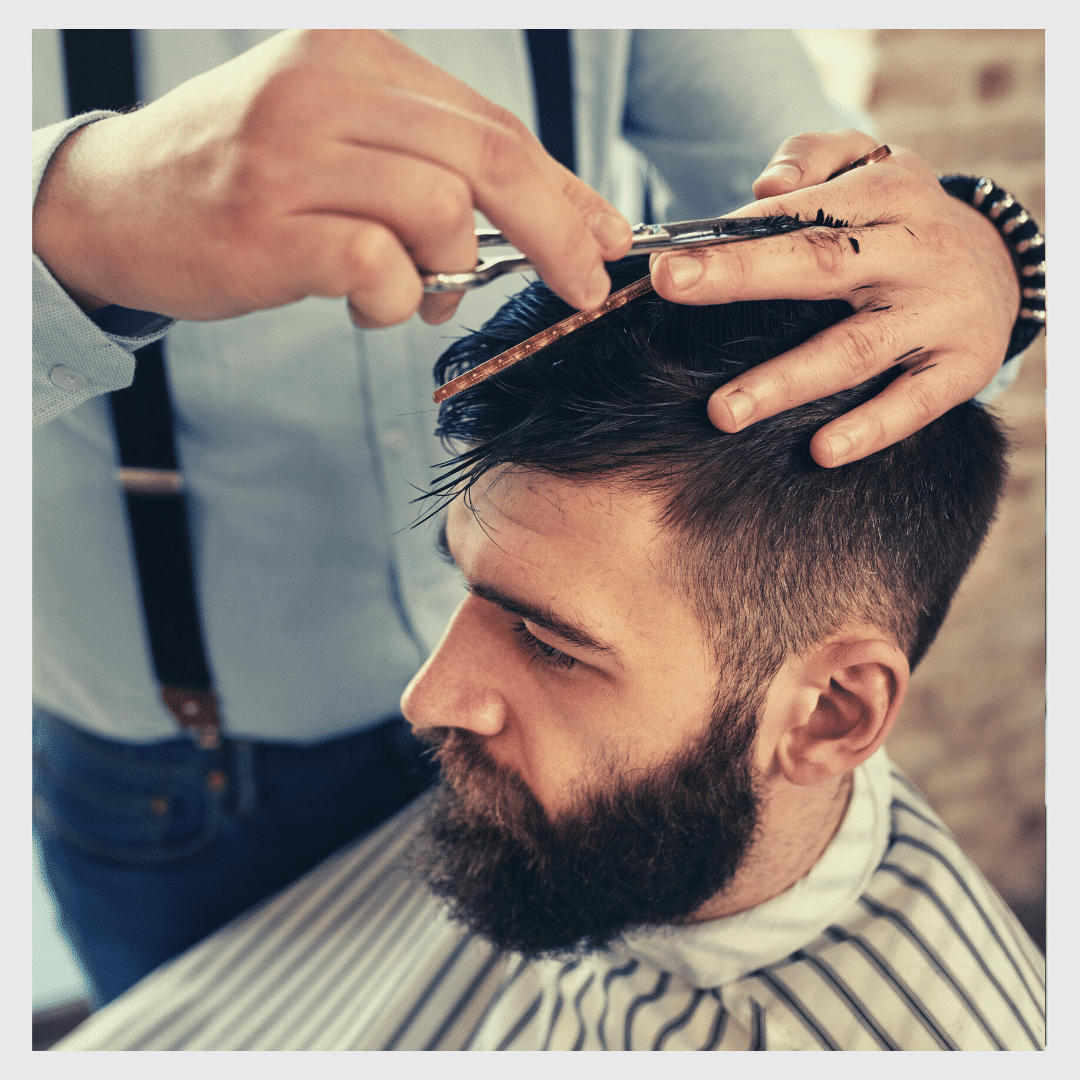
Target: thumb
pixel 810 158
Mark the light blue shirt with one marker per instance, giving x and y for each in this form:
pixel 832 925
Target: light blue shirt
pixel 303 440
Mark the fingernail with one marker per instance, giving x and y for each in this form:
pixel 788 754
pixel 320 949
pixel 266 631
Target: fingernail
pixel 436 308
pixel 840 445
pixel 598 288
pixel 741 405
pixel 788 173
pixel 684 271
pixel 610 230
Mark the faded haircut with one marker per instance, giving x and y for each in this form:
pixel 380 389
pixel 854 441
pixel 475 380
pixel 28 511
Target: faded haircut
pixel 772 552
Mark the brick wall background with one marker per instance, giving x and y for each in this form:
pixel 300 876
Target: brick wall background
pixel 972 730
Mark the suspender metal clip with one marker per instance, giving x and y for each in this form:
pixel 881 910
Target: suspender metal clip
pixel 141 481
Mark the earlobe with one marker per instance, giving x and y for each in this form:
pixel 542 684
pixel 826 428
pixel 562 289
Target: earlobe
pixel 852 692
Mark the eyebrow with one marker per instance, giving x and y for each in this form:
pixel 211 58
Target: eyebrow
pixel 540 616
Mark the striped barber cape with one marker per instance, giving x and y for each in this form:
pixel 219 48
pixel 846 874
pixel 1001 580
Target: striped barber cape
pixel 893 941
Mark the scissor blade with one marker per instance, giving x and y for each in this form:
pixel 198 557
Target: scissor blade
pixel 654 237
pixel 679 234
pixel 666 237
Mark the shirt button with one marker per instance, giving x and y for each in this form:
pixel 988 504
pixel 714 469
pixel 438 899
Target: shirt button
pixel 67 379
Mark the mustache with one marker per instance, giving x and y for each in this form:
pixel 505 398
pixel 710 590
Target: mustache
pixel 459 753
pixel 438 738
pixel 479 793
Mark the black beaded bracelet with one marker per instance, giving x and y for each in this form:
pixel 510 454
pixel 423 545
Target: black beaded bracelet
pixel 1024 241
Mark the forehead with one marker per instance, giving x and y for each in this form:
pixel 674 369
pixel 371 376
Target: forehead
pixel 593 551
pixel 529 516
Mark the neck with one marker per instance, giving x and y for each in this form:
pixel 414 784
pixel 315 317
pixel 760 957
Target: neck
pixel 797 825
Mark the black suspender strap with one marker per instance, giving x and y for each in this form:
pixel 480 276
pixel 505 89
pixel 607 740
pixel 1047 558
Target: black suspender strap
pixel 100 67
pixel 101 75
pixel 549 51
pixel 157 518
pixel 553 78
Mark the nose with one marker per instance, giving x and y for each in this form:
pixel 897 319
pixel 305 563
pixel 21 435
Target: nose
pixel 459 685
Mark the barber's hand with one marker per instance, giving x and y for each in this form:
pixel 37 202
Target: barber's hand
pixel 325 163
pixel 933 287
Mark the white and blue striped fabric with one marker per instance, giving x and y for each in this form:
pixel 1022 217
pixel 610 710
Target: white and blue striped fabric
pixel 893 941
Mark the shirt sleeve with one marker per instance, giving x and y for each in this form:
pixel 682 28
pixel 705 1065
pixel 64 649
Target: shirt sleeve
pixel 74 359
pixel 708 108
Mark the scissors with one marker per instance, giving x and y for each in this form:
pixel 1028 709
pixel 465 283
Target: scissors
pixel 678 234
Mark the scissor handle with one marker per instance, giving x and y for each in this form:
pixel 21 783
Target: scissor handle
pixel 490 238
pixel 481 274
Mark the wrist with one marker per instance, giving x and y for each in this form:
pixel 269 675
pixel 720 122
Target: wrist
pixel 1026 246
pixel 58 217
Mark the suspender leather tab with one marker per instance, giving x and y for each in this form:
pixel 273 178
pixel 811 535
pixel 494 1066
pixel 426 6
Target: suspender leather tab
pixel 196 711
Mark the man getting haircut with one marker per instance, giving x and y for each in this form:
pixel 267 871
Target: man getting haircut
pixel 772 553
pixel 667 819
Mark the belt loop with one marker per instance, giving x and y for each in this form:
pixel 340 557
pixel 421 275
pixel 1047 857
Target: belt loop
pixel 247 791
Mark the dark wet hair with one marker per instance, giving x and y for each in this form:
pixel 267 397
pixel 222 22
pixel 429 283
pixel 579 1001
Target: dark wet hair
pixel 773 552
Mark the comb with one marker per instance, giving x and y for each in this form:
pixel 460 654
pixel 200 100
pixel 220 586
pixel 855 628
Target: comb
pixel 540 341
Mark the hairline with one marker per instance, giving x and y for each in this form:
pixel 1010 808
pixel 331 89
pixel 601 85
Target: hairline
pixel 681 553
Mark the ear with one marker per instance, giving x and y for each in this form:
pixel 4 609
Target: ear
pixel 840 706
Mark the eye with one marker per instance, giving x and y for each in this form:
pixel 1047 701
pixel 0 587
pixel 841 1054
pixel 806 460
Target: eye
pixel 442 546
pixel 541 650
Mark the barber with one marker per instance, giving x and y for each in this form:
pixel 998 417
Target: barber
pixel 330 164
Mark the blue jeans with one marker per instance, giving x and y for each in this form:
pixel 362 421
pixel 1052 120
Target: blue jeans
pixel 147 848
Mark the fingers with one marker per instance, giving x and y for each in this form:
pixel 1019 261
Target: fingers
pixel 920 395
pixel 822 262
pixel 206 203
pixel 810 158
pixel 845 355
pixel 407 71
pixel 564 227
pixel 427 207
pixel 842 356
pixel 933 289
pixel 385 288
pixel 798 266
pixel 386 136
pixel 358 259
pixel 814 264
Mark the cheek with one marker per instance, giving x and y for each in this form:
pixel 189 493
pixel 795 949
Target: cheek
pixel 672 698
pixel 574 742
pixel 555 730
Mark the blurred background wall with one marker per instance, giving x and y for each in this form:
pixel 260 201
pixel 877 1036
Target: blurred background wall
pixel 971 734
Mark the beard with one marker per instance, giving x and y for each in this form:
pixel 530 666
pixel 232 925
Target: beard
pixel 648 849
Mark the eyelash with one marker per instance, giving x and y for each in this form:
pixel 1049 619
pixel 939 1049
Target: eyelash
pixel 541 651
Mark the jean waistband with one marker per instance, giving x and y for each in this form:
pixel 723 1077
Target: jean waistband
pixel 179 750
